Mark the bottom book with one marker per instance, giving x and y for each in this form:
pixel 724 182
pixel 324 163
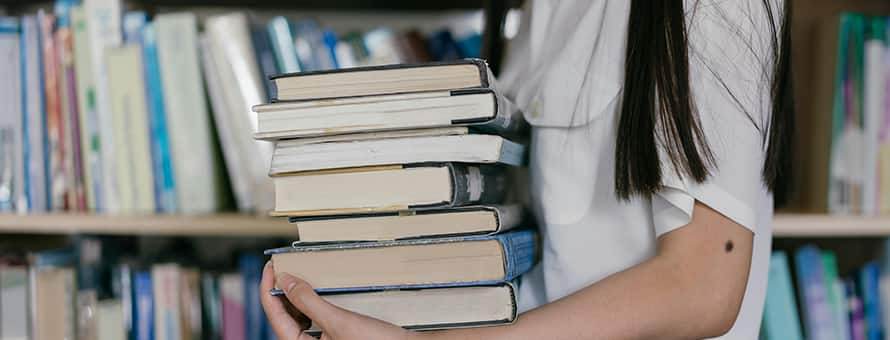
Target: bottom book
pixel 434 308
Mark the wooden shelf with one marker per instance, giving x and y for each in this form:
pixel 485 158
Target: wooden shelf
pixel 818 225
pixel 148 225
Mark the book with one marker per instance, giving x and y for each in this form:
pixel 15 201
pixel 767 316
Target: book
pixel 132 159
pixel 166 290
pixel 211 306
pixel 35 174
pixel 484 109
pixel 874 101
pixel 75 194
pixel 54 129
pixel 869 288
pixel 422 263
pixel 283 44
pixel 384 47
pixel 143 306
pixel 402 147
pixel 231 288
pixel 780 319
pixel 835 296
pixel 473 220
pixel 436 308
pixel 14 309
pixel 233 80
pixel 442 46
pixel 818 319
pixel 190 303
pixel 105 31
pixel 188 120
pixel 265 57
pixel 386 189
pixel 11 148
pixel 256 324
pixel 857 314
pixel 90 150
pixel 380 80
pixel 110 320
pixel 161 162
pixel 309 42
pixel 53 294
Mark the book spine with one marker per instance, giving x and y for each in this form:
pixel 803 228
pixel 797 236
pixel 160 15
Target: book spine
pixel 35 124
pixel 476 184
pixel 86 107
pixel 54 129
pixel 76 194
pixel 868 280
pixel 520 252
pixel 10 115
pixel 817 314
pixel 165 195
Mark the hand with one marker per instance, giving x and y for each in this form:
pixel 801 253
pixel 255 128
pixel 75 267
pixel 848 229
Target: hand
pixel 290 315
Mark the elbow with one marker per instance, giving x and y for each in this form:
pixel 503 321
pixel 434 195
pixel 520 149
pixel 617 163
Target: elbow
pixel 720 309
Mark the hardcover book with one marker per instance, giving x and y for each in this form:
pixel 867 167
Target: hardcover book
pixel 399 147
pixel 482 108
pixel 385 79
pixel 387 189
pixel 421 263
pixel 472 220
pixel 434 308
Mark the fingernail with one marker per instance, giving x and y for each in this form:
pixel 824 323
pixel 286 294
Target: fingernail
pixel 286 281
pixel 269 263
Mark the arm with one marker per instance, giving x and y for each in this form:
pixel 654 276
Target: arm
pixel 692 288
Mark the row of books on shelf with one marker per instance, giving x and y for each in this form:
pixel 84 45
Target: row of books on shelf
pixel 851 126
pixel 69 294
pixel 831 306
pixel 396 179
pixel 107 111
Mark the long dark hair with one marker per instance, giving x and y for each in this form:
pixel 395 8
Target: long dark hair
pixel 657 103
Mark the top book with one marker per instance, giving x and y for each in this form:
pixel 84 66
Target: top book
pixel 385 79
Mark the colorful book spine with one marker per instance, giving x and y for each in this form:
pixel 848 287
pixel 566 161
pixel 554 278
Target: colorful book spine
pixel 54 129
pixel 143 306
pixel 868 282
pixel 37 190
pixel 818 319
pixel 232 294
pixel 780 319
pixel 86 105
pixel 11 160
pixel 75 194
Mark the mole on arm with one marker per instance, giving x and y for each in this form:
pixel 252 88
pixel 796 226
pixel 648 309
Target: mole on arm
pixel 729 246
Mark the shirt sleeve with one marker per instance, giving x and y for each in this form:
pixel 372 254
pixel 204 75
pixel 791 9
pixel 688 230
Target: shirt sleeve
pixel 730 57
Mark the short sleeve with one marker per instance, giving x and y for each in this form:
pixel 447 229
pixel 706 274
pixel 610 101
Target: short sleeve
pixel 730 61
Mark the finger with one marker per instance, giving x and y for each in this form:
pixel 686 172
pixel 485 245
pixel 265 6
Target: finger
pixel 305 336
pixel 282 322
pixel 325 336
pixel 303 296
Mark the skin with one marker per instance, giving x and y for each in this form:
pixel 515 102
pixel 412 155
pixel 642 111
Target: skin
pixel 691 289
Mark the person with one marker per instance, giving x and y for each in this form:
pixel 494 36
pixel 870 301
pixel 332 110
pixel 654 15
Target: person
pixel 660 135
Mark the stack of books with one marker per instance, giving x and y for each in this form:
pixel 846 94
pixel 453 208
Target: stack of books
pixel 395 178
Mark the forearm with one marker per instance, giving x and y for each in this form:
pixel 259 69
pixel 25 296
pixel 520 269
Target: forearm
pixel 693 289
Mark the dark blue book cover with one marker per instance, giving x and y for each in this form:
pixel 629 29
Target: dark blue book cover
pixel 871 300
pixel 143 306
pixel 257 326
pixel 519 253
pixel 442 46
pixel 265 56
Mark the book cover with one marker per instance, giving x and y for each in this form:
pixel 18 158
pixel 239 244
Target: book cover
pixel 868 282
pixel 11 148
pixel 166 281
pixel 818 319
pixel 86 106
pixel 780 319
pixel 35 174
pixel 232 294
pixel 143 306
pixel 194 156
pixel 162 166
pixel 238 88
pixel 519 250
pixel 104 29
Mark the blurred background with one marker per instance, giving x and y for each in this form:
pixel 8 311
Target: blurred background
pixel 127 161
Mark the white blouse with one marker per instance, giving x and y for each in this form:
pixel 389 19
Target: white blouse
pixel 565 69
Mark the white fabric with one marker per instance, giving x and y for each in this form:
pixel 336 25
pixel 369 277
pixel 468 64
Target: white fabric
pixel 566 71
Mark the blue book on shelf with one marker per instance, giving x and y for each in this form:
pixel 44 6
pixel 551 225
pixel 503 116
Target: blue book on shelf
pixel 330 43
pixel 161 161
pixel 309 42
pixel 817 314
pixel 256 324
pixel 517 253
pixel 871 300
pixel 143 306
pixel 265 56
pixel 470 46
pixel 442 46
pixel 283 45
pixel 780 319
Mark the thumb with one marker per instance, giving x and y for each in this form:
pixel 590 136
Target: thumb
pixel 303 296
